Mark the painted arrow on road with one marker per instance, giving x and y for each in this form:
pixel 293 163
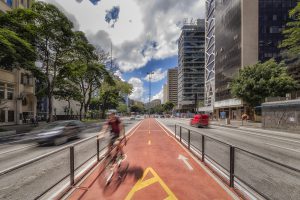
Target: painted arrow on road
pixel 185 161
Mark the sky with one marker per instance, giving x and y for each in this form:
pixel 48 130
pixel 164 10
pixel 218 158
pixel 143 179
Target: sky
pixel 143 34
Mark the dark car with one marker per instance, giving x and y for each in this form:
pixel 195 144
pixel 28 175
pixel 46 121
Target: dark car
pixel 60 132
pixel 200 120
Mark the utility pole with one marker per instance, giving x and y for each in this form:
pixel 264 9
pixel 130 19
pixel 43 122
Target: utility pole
pixel 150 73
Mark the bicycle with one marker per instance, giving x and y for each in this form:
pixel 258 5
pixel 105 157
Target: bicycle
pixel 113 163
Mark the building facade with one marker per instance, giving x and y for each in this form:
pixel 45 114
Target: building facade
pixel 191 61
pixel 17 97
pixel 209 56
pixel 236 32
pixel 239 33
pixel 153 103
pixel 165 93
pixel 173 85
pixel 17 87
pixel 7 5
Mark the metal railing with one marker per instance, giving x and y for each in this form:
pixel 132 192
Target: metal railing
pixel 185 139
pixel 73 179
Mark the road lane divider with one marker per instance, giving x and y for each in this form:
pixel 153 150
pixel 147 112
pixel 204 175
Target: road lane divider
pixel 18 149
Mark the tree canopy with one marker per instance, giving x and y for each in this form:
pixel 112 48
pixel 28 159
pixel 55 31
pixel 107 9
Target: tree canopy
pixel 256 82
pixel 292 32
pixel 168 106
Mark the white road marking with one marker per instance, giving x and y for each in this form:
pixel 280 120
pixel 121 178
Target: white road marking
pixel 14 150
pixel 294 150
pixel 184 159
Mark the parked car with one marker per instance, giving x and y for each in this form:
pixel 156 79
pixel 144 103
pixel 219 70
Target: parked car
pixel 60 132
pixel 200 120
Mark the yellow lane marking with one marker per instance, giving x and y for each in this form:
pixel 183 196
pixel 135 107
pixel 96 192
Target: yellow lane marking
pixel 141 184
pixel 149 142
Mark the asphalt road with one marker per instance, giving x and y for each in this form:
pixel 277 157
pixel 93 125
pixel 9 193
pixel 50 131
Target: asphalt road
pixel 272 180
pixel 30 181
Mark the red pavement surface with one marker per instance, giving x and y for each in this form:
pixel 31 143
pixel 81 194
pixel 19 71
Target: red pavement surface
pixel 154 154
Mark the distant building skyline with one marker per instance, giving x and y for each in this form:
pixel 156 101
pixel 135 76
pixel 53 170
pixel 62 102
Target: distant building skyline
pixel 191 49
pixel 172 82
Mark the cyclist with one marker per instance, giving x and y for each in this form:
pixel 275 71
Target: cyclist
pixel 115 126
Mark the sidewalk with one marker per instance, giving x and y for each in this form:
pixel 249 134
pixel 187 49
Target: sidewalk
pixel 237 124
pixel 159 168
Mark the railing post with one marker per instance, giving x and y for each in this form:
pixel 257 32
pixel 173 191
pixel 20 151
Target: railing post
pixel 98 149
pixel 72 166
pixel 203 148
pixel 231 183
pixel 180 133
pixel 189 139
pixel 175 130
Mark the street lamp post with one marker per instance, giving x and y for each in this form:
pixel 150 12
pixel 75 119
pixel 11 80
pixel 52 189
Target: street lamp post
pixel 149 73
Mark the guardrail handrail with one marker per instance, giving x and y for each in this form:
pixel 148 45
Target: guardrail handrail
pixel 232 153
pixel 43 156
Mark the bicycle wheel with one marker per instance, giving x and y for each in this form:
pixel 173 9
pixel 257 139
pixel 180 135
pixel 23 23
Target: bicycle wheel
pixel 107 171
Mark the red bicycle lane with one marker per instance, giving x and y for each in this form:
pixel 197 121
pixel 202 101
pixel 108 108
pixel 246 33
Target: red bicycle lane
pixel 159 168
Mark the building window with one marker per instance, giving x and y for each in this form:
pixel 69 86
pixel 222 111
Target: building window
pixel 2 115
pixel 274 17
pixel 11 116
pixel 24 101
pixel 10 92
pixel 2 96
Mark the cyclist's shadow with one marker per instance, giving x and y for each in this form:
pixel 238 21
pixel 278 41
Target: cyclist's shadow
pixel 126 172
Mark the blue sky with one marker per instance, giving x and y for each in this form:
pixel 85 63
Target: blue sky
pixel 144 35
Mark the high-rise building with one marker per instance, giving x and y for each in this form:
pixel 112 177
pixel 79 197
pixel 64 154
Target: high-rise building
pixel 165 93
pixel 239 33
pixel 191 47
pixel 173 85
pixel 209 56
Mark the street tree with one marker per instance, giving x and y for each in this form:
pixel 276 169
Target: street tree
pixel 122 108
pixel 256 82
pixel 137 109
pixel 15 51
pixel 53 44
pixel 111 95
pixel 17 39
pixel 66 90
pixel 168 106
pixel 291 33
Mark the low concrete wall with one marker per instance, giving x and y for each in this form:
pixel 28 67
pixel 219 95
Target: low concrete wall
pixel 284 115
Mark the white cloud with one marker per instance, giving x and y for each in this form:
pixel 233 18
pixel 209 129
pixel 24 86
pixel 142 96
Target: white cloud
pixel 119 74
pixel 159 95
pixel 157 75
pixel 141 24
pixel 138 89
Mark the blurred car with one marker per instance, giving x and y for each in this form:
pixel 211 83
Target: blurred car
pixel 200 120
pixel 60 132
pixel 132 118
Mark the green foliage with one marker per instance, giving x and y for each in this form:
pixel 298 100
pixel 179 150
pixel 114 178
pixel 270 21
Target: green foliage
pixel 168 106
pixel 256 82
pixel 15 51
pixel 122 108
pixel 292 32
pixel 112 94
pixel 17 39
pixel 159 109
pixel 137 109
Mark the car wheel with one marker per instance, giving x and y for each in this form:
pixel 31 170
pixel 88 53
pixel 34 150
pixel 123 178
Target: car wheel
pixel 60 140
